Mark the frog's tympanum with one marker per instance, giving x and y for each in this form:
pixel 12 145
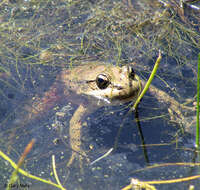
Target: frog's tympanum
pixel 90 86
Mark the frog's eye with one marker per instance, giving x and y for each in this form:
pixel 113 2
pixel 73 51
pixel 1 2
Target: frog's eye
pixel 131 73
pixel 102 81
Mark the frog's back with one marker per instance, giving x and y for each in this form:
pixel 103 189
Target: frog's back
pixel 83 72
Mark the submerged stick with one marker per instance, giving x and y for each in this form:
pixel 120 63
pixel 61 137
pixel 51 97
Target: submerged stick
pixel 101 157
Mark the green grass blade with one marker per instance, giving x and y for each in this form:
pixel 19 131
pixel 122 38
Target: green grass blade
pixel 149 81
pixel 198 86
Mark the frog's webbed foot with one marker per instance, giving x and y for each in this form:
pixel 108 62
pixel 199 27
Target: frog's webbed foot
pixel 80 156
pixel 75 136
pixel 175 113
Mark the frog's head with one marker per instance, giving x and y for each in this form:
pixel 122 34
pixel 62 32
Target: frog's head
pixel 113 84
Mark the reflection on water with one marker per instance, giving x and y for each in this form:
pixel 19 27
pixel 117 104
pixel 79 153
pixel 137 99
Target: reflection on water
pixel 39 38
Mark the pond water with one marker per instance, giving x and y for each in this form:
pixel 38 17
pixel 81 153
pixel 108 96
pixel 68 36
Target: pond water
pixel 41 38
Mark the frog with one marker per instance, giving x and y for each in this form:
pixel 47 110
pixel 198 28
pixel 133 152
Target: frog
pixel 93 85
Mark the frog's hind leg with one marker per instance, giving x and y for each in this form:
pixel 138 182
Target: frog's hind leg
pixel 75 128
pixel 176 110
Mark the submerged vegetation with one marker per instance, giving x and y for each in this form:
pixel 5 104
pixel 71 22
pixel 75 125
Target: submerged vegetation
pixel 40 37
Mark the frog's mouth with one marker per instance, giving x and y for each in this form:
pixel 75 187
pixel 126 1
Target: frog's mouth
pixel 115 94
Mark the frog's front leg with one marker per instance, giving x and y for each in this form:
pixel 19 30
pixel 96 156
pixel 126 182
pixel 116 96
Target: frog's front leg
pixel 75 128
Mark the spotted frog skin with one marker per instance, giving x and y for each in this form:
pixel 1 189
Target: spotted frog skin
pixel 91 86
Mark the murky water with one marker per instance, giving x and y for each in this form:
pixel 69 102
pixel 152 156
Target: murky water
pixel 39 38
